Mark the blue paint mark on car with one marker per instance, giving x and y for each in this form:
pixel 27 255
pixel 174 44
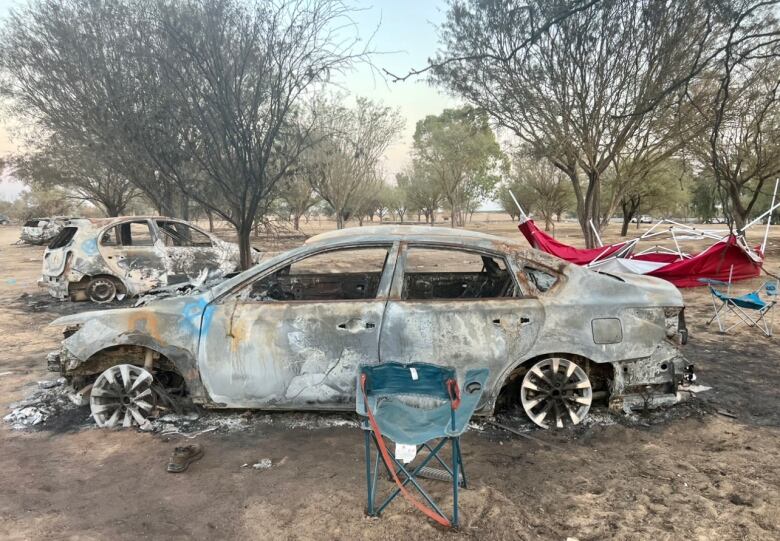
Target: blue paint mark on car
pixel 90 247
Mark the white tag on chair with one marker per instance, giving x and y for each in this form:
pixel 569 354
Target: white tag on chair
pixel 405 452
pixel 413 370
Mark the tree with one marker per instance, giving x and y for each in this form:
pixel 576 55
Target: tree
pixel 741 149
pixel 661 187
pixel 80 172
pixel 421 193
pixel 343 165
pixel 297 196
pixel 36 203
pixel 83 71
pixel 575 91
pixel 458 152
pixel 541 187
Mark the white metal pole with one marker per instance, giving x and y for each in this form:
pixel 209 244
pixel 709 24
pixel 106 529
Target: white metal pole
pixel 751 224
pixel 518 205
pixel 769 220
pixel 598 238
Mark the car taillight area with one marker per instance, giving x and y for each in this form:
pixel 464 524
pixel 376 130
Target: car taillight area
pixel 676 329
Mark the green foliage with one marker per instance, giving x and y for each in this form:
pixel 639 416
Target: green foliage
pixel 457 152
pixel 35 203
pixel 540 188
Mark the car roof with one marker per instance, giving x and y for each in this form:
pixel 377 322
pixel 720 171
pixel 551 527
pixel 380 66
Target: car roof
pixel 100 222
pixel 414 233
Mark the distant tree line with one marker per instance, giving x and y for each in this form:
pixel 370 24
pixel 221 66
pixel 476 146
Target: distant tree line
pixel 227 108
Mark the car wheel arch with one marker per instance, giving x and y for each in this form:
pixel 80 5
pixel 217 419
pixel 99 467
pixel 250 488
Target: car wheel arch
pixel 167 358
pixel 515 372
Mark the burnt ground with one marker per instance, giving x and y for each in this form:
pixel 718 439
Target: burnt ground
pixel 705 469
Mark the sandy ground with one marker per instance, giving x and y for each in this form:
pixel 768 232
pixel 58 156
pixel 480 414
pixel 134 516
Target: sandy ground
pixel 687 473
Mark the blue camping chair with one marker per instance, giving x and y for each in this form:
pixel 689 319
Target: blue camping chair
pixel 385 395
pixel 749 308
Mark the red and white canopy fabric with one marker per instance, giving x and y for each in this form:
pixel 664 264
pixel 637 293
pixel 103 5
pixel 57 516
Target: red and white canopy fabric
pixel 727 259
pixel 580 256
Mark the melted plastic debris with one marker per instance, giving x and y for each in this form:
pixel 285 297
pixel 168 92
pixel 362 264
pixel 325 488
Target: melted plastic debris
pixel 51 399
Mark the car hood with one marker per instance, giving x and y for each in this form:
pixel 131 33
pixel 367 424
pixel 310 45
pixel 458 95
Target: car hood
pixel 182 306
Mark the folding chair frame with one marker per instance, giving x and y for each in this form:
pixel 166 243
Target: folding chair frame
pixel 410 477
pixel 760 322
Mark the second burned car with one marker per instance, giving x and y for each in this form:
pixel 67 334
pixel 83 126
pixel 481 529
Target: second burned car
pixel 102 259
pixel 291 332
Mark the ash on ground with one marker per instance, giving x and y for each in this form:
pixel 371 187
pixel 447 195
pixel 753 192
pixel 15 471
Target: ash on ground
pixel 201 421
pixel 50 406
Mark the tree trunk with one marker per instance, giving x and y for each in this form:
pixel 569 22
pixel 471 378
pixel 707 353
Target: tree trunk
pixel 624 227
pixel 297 222
pixel 588 210
pixel 339 220
pixel 629 208
pixel 210 216
pixel 547 222
pixel 184 204
pixel 245 246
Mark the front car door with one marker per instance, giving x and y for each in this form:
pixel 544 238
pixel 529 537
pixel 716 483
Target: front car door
pixel 133 252
pixel 295 336
pixel 458 307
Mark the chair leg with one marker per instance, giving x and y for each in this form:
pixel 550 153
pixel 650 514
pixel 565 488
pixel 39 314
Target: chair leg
pixel 370 505
pixel 455 469
pixel 463 482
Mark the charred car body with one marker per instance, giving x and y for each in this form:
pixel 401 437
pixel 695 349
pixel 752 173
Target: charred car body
pixel 127 256
pixel 39 231
pixel 291 332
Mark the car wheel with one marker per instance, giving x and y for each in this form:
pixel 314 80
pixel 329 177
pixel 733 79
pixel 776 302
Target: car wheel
pixel 101 290
pixel 122 395
pixel 556 392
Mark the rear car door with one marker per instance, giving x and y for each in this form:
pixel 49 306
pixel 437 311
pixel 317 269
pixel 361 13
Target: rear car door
pixel 458 307
pixel 295 336
pixel 187 251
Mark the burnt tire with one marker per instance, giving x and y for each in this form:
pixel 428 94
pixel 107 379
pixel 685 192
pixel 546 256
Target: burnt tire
pixel 101 290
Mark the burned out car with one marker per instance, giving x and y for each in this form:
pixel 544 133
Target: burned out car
pixel 291 332
pixel 103 259
pixel 39 231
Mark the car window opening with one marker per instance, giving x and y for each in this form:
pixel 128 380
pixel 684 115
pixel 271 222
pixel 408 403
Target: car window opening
pixel 63 238
pixel 135 233
pixel 176 234
pixel 350 274
pixel 452 274
pixel 541 280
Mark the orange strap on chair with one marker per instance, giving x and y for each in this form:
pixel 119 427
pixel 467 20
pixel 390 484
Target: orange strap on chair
pixel 390 464
pixel 454 390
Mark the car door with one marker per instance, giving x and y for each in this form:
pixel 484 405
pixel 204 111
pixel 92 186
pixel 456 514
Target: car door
pixel 133 252
pixel 188 251
pixel 458 307
pixel 295 336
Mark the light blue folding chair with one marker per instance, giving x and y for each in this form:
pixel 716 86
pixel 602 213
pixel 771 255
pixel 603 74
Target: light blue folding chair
pixel 414 405
pixel 750 309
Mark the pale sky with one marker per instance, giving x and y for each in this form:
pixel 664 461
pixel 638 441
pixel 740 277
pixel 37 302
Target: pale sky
pixel 406 33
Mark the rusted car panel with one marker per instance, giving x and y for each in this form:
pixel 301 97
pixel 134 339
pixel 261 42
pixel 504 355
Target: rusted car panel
pixel 136 255
pixel 41 230
pixel 256 341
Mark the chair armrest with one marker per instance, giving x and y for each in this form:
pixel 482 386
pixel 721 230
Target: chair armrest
pixel 712 282
pixel 470 394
